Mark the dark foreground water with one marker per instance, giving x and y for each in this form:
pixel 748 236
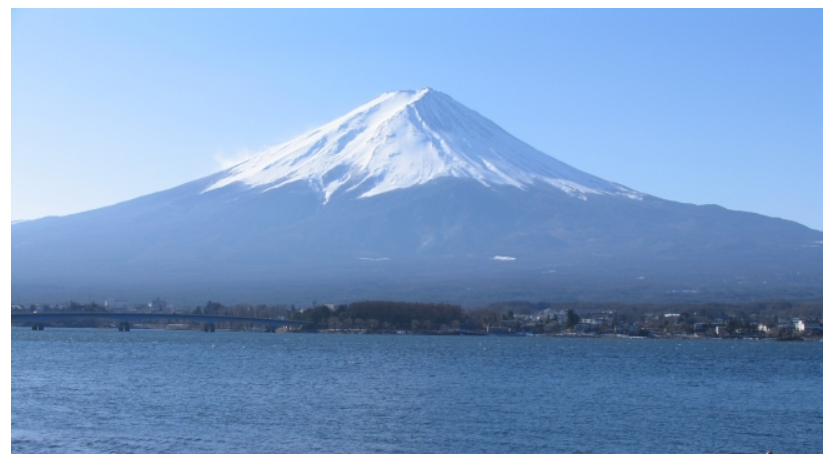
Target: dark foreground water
pixel 100 391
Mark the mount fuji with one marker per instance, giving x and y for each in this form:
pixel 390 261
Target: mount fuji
pixel 412 196
pixel 403 139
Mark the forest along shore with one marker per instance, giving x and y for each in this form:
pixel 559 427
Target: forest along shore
pixel 779 320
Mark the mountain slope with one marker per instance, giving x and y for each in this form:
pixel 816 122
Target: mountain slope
pixel 412 196
pixel 401 139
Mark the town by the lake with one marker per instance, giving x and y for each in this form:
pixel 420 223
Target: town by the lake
pixel 779 320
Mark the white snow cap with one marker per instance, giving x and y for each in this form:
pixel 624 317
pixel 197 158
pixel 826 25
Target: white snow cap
pixel 406 138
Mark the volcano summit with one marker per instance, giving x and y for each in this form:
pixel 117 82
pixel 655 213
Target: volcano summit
pixel 412 196
pixel 403 139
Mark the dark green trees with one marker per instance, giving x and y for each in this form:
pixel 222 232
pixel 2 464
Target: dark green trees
pixel 571 318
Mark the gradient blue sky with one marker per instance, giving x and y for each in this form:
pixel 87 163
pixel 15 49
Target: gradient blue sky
pixel 697 106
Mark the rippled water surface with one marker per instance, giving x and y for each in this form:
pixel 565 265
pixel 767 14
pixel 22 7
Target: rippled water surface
pixel 144 391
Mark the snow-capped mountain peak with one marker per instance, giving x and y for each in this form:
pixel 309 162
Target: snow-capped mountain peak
pixel 406 138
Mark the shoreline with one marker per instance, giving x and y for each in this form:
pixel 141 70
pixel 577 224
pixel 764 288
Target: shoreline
pixel 181 328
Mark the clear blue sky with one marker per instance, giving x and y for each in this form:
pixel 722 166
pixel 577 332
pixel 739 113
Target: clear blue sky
pixel 697 106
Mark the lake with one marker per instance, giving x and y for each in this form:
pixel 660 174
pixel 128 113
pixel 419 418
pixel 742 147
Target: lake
pixel 152 391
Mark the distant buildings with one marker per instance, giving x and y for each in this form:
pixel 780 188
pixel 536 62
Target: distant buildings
pixel 812 326
pixel 116 304
pixel 158 305
pixel 551 315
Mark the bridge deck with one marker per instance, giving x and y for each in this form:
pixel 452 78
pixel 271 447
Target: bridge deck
pixel 148 316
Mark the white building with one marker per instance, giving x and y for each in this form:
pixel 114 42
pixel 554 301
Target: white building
pixel 551 314
pixel 803 325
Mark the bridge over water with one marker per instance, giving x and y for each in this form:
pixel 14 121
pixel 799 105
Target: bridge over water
pixel 125 319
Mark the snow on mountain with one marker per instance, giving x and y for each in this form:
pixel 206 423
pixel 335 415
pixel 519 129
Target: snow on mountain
pixel 458 228
pixel 406 138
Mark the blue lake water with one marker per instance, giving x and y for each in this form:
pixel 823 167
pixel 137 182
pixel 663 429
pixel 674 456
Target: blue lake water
pixel 146 391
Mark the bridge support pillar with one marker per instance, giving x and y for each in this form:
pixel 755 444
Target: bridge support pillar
pixel 124 326
pixel 210 327
pixel 37 326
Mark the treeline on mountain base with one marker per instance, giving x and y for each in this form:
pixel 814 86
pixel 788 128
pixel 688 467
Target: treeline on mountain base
pixel 374 316
pixel 385 316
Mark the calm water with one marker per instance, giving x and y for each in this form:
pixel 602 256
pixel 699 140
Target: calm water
pixel 100 391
